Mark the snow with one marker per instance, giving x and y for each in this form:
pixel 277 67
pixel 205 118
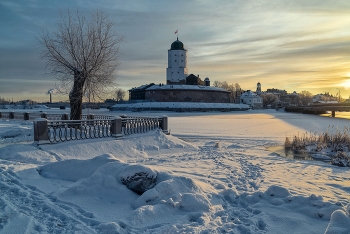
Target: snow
pixel 179 106
pixel 213 174
pixel 185 87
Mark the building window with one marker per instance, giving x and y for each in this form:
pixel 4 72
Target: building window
pixel 175 60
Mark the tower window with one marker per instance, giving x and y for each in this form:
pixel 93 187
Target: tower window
pixel 175 60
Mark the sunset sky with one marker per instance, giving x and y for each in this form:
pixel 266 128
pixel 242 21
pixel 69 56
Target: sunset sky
pixel 292 45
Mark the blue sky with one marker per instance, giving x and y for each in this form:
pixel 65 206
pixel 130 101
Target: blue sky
pixel 292 45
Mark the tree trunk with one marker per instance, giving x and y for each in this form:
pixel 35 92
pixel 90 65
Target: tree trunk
pixel 76 96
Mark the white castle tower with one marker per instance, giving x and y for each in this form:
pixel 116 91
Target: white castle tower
pixel 176 72
pixel 258 88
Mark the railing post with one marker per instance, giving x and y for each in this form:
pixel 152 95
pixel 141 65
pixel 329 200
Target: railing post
pixel 164 124
pixel 11 115
pixel 40 131
pixel 26 116
pixel 65 117
pixel 116 130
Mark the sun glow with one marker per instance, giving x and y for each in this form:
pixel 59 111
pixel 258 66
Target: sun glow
pixel 346 83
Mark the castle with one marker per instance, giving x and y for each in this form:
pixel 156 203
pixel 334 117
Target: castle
pixel 180 87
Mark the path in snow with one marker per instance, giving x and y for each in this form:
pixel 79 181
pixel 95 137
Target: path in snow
pixel 38 211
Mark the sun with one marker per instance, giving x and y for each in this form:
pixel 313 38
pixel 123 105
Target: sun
pixel 346 84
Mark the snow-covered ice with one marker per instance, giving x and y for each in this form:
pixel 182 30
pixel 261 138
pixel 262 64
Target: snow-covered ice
pixel 213 174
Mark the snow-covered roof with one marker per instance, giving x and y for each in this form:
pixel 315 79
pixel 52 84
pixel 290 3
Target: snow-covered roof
pixel 141 87
pixel 186 87
pixel 249 94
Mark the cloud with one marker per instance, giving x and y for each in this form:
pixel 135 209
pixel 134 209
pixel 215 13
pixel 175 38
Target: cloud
pixel 295 44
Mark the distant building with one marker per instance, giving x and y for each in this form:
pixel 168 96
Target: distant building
pixel 324 97
pixel 258 88
pixel 139 93
pixel 252 99
pixel 194 80
pixel 278 92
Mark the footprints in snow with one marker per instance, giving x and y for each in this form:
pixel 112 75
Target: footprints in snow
pixel 240 173
pixel 47 212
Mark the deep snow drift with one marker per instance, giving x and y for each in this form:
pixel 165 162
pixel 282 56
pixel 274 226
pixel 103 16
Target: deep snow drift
pixel 212 175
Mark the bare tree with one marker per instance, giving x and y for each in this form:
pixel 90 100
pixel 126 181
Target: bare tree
pixel 269 99
pixel 83 55
pixel 224 85
pixel 217 84
pixel 119 94
pixel 305 97
pixel 232 88
pixel 238 88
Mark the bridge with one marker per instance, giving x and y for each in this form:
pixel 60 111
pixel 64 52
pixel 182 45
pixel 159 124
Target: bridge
pixel 320 108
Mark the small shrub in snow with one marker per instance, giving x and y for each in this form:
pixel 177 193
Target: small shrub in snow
pixel 287 144
pixel 336 145
pixel 341 159
pixel 140 182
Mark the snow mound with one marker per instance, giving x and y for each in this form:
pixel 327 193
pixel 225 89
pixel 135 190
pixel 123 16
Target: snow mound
pixel 170 189
pixel 277 191
pixel 339 224
pixel 74 169
pixel 25 153
pixel 104 177
pixel 16 132
pixel 133 146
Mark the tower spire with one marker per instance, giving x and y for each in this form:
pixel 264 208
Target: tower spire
pixel 177 34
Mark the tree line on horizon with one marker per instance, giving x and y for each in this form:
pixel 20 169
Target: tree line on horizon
pixel 303 98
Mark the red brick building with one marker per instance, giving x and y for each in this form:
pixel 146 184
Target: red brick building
pixel 187 93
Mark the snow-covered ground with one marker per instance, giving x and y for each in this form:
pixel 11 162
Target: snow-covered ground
pixel 213 174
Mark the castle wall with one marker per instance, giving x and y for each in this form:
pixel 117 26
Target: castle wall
pixel 173 95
